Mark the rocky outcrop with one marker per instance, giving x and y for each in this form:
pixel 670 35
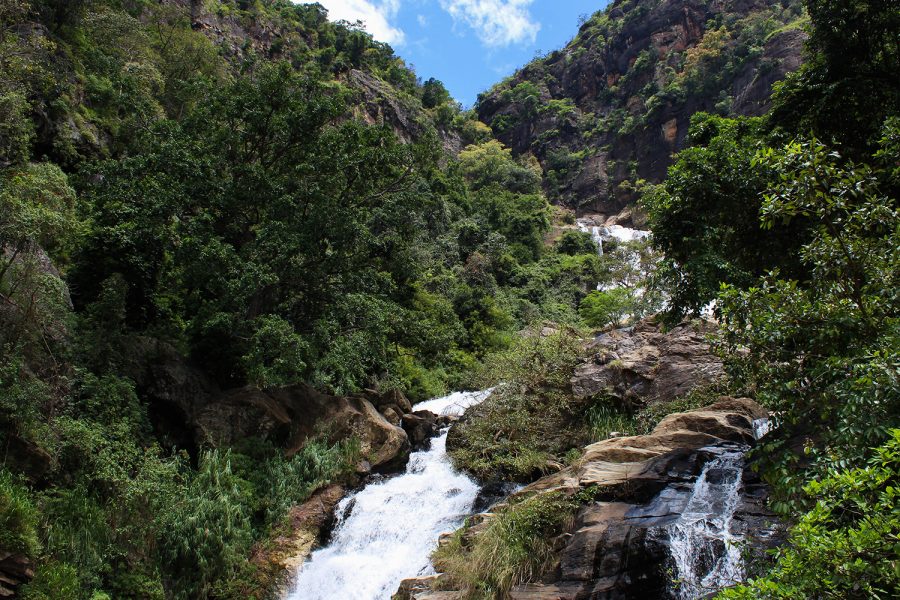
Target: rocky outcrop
pixel 305 527
pixel 189 410
pixel 643 364
pixel 15 571
pixel 292 415
pixel 620 544
pixel 615 103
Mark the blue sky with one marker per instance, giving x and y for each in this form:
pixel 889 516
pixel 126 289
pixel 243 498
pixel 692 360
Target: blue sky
pixel 467 44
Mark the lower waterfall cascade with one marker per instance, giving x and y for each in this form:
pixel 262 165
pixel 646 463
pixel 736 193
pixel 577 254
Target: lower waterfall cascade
pixel 705 552
pixel 386 531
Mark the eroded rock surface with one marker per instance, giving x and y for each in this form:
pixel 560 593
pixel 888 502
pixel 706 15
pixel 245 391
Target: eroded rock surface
pixel 292 415
pixel 643 364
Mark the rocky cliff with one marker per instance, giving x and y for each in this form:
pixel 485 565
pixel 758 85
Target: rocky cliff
pixel 609 109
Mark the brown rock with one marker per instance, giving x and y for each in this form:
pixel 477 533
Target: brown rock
pixel 15 571
pixel 642 364
pixel 292 415
pixel 616 548
pixel 306 526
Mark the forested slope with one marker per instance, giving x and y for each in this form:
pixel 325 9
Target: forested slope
pixel 202 199
pixel 606 112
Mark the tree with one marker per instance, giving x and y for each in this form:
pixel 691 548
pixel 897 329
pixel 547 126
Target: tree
pixel 705 216
pixel 850 80
pixel 434 93
pixel 605 308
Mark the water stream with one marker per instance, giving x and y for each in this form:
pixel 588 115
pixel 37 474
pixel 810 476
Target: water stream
pixel 386 531
pixel 706 554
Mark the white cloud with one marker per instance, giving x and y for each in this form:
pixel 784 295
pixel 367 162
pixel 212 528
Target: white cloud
pixel 496 22
pixel 423 20
pixel 375 15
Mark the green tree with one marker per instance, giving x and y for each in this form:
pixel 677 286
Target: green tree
pixel 602 309
pixel 850 80
pixel 846 546
pixel 705 216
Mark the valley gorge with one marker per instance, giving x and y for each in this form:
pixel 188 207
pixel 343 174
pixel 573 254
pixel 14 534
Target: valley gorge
pixel 280 319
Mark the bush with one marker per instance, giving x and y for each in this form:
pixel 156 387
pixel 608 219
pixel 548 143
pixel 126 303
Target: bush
pixel 529 419
pixel 848 546
pixel 516 547
pixel 54 581
pixel 18 517
pixel 606 308
pixel 576 242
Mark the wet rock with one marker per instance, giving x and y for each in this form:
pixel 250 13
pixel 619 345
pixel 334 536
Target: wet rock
pixel 308 526
pixel 618 547
pixel 423 425
pixel 643 364
pixel 420 588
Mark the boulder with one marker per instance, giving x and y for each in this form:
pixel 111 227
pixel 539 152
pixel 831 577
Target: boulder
pixel 291 415
pixel 15 571
pixel 421 426
pixel 420 588
pixel 643 364
pixel 307 526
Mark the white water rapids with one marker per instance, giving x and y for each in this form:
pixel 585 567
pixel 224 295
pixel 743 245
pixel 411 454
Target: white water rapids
pixel 387 530
pixel 706 554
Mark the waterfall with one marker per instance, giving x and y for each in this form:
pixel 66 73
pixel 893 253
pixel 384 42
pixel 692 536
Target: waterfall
pixel 595 235
pixel 705 553
pixel 386 531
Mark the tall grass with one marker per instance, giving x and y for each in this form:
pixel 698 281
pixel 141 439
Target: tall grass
pixel 516 546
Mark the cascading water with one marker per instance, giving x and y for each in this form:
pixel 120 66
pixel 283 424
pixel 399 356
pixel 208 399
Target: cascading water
pixel 595 235
pixel 705 553
pixel 386 531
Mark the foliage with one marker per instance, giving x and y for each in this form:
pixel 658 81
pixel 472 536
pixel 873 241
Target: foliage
pixel 527 420
pixel 850 81
pixel 606 308
pixel 705 217
pixel 209 532
pixel 515 547
pixel 821 353
pixel 846 546
pixel 18 517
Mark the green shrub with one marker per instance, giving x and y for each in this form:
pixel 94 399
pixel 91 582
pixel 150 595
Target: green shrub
pixel 530 419
pixel 605 418
pixel 515 547
pixel 848 546
pixel 208 533
pixel 606 308
pixel 18 517
pixel 54 581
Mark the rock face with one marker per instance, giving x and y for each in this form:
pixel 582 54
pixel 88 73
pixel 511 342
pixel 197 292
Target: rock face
pixel 620 545
pixel 291 415
pixel 306 525
pixel 15 570
pixel 189 410
pixel 643 364
pixel 615 103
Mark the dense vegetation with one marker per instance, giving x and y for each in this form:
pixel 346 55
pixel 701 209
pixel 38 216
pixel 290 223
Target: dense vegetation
pixel 791 222
pixel 229 199
pixel 225 195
